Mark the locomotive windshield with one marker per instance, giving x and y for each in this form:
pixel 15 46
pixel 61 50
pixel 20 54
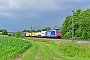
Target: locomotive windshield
pixel 58 31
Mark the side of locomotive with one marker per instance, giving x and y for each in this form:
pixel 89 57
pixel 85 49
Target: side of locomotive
pixel 53 33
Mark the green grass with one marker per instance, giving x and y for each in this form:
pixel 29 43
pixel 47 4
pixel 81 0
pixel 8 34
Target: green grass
pixel 71 51
pixel 11 47
pixel 56 50
pixel 30 53
pixel 37 51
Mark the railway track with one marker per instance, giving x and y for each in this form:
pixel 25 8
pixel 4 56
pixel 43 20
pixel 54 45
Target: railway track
pixel 63 40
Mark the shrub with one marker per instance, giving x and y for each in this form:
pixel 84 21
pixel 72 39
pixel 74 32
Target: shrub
pixel 4 32
pixel 18 34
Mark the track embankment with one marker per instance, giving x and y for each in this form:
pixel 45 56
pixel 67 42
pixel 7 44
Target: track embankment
pixel 63 40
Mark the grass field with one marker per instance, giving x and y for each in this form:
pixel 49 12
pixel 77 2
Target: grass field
pixel 35 49
pixel 56 50
pixel 11 47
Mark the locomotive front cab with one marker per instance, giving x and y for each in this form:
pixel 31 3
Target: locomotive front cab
pixel 58 34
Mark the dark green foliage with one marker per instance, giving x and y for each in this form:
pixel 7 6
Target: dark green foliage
pixel 25 30
pixel 4 32
pixel 81 25
pixel 29 30
pixel 46 29
pixel 1 30
pixel 38 31
pixel 18 34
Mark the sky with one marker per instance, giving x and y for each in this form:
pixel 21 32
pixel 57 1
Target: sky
pixel 17 15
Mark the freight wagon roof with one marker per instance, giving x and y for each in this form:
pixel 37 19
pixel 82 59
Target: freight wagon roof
pixel 42 31
pixel 51 30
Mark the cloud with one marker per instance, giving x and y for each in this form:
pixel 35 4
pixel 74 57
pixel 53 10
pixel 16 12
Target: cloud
pixel 32 15
pixel 6 14
pixel 12 4
pixel 73 1
pixel 2 7
pixel 9 4
pixel 37 4
pixel 30 6
pixel 41 5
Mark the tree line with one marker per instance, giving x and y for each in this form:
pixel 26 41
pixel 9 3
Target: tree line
pixel 81 25
pixel 44 29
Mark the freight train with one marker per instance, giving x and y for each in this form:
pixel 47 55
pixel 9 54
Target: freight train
pixel 45 34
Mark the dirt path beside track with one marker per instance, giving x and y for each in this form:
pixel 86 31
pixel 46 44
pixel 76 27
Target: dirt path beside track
pixel 18 57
